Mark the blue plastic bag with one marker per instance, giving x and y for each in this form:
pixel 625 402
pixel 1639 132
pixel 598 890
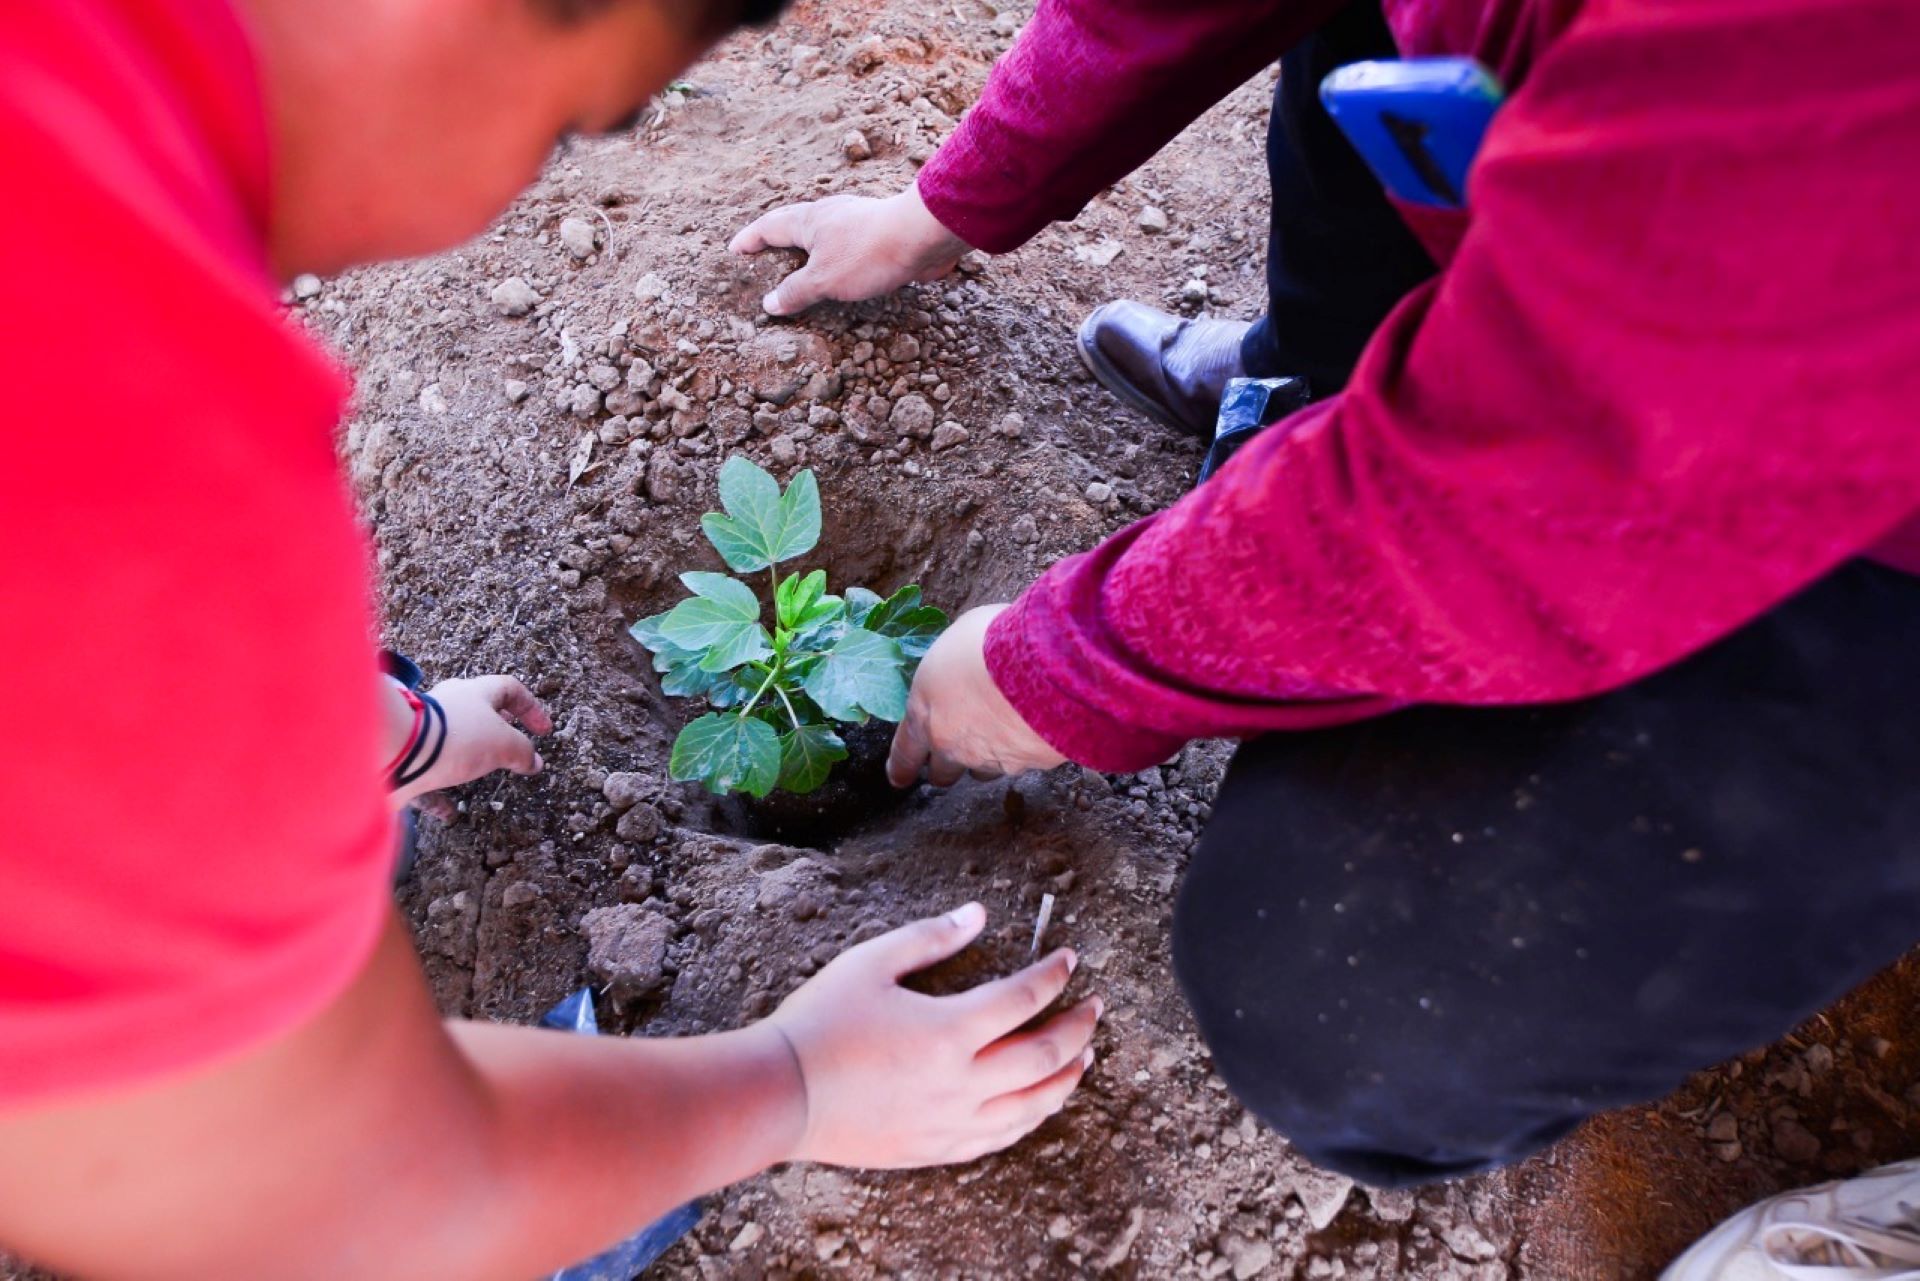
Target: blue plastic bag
pixel 638 1252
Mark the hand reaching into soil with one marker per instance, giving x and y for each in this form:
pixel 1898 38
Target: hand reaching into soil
pixel 857 247
pixel 898 1080
pixel 958 722
pixel 481 714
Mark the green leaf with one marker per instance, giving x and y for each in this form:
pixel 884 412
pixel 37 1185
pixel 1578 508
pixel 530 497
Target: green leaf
pixel 860 603
pixel 796 595
pixel 728 754
pixel 762 526
pixel 647 632
pixel 722 624
pixel 725 589
pixel 860 674
pixel 807 755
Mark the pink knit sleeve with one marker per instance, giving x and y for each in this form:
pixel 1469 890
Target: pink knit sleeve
pixel 1088 92
pixel 1667 382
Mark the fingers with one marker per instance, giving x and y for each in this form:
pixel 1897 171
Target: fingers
pixel 797 292
pixel 994 1009
pixel 944 771
pixel 926 942
pixel 516 702
pixel 1018 1113
pixel 909 751
pixel 1025 1058
pixel 788 227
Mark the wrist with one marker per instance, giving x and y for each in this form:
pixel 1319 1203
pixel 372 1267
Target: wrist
pixel 933 242
pixel 777 1061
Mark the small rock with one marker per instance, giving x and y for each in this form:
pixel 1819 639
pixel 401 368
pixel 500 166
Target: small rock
pixel 856 147
pixel 519 894
pixel 1152 220
pixel 1101 254
pixel 1322 1194
pixel 650 287
pixel 1099 492
pixel 1194 291
pixel 625 790
pixel 912 416
pixel 1729 1152
pixel 1248 1257
pixel 640 824
pixel 748 1237
pixel 306 286
pixel 1011 425
pixel 1392 1205
pixel 828 1244
pixel 1724 1128
pixel 516 391
pixel 1059 1228
pixel 1024 529
pixel 949 434
pixel 784 450
pixel 627 949
pixel 903 349
pixel 515 297
pixel 1792 1141
pixel 584 400
pixel 579 238
pixel 1818 1058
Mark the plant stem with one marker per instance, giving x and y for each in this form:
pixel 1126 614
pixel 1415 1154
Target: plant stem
pixel 771 674
pixel 789 702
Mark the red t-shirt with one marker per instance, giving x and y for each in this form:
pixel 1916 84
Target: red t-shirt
pixel 194 844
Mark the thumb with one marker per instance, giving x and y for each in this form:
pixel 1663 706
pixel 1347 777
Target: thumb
pixel 928 941
pixel 796 293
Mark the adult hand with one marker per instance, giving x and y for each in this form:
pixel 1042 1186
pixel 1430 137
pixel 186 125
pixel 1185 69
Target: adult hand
pixel 898 1080
pixel 857 247
pixel 958 721
pixel 481 714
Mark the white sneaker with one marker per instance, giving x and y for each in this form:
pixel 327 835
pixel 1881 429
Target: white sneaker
pixel 1866 1227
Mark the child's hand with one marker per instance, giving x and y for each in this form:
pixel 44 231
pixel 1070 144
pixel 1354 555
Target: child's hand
pixel 895 1079
pixel 481 738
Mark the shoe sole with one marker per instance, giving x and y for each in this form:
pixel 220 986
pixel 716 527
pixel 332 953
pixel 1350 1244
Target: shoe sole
pixel 1114 381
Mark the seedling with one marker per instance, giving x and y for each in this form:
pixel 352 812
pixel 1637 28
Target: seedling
pixel 778 692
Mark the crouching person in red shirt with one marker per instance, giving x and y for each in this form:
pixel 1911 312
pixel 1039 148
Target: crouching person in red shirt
pixel 218 1057
pixel 1570 635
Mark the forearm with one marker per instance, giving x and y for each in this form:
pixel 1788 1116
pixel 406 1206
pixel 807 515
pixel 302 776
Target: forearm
pixel 416 1148
pixel 1091 89
pixel 591 1138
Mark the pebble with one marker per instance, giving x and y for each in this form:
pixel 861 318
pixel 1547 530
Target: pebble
pixel 1794 1142
pixel 856 146
pixel 1011 425
pixel 515 297
pixel 650 287
pixel 949 434
pixel 1153 221
pixel 584 400
pixel 912 416
pixel 516 391
pixel 1724 1128
pixel 520 894
pixel 578 237
pixel 305 286
pixel 1194 291
pixel 1099 492
pixel 784 450
pixel 1249 1258
pixel 748 1237
pixel 627 949
pixel 903 349
pixel 640 824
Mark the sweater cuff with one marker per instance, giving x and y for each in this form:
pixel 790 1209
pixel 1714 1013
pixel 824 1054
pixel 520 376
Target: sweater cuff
pixel 949 183
pixel 1082 733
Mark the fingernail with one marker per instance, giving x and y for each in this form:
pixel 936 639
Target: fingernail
pixel 1073 961
pixel 771 304
pixel 1086 1058
pixel 538 764
pixel 966 917
pixel 1099 1007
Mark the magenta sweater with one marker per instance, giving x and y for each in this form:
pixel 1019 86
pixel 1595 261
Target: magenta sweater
pixel 1669 372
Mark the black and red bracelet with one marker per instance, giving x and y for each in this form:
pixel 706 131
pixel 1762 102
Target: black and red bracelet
pixel 424 747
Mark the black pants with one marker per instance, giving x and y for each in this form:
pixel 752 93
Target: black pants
pixel 1432 943
pixel 1338 256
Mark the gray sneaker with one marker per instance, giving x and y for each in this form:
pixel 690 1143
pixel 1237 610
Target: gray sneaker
pixel 1862 1229
pixel 1170 369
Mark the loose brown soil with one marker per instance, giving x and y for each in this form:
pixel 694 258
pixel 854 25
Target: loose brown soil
pixel 492 561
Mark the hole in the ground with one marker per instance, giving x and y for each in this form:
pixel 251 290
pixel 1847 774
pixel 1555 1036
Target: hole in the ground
pixel 911 533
